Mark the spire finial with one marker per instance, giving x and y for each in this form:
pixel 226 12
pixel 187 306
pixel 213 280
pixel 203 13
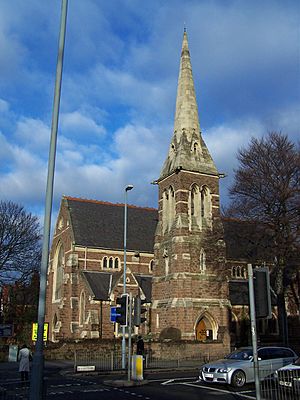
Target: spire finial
pixel 184 27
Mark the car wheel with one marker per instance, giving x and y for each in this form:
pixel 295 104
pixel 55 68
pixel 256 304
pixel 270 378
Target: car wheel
pixel 238 379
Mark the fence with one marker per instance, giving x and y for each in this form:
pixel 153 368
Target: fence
pixel 283 385
pixel 112 361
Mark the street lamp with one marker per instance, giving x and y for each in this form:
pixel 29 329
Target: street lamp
pixel 127 188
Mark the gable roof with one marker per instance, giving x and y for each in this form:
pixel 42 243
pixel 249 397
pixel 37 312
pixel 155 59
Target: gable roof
pixel 100 284
pixel 145 283
pixel 100 224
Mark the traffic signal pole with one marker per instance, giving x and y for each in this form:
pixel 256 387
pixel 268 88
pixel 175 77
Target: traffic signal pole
pixel 129 336
pixel 253 331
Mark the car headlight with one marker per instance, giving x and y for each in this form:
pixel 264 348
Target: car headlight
pixel 224 370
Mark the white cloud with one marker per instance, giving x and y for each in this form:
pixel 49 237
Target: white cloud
pixel 77 124
pixel 4 106
pixel 119 88
pixel 33 134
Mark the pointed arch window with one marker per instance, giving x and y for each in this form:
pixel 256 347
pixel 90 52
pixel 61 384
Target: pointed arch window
pixel 82 308
pixel 104 262
pixel 205 202
pixel 151 266
pixel 194 207
pixel 171 206
pixel 202 261
pixel 111 263
pixel 168 211
pixel 59 273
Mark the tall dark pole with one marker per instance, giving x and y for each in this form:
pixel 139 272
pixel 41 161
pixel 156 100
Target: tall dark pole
pixel 253 331
pixel 36 383
pixel 127 188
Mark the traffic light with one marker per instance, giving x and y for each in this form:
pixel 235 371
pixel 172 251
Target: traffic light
pixel 122 310
pixel 138 311
pixel 262 292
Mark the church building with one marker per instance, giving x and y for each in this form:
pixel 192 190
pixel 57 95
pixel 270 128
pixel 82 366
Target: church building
pixel 183 258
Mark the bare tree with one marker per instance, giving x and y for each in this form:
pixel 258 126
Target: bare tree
pixel 20 243
pixel 266 191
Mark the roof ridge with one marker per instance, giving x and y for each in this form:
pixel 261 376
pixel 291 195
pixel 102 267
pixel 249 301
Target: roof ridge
pixel 80 199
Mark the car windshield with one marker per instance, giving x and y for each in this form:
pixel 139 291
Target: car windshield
pixel 245 354
pixel 297 362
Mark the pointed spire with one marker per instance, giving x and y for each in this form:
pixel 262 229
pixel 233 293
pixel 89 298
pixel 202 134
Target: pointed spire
pixel 186 115
pixel 187 150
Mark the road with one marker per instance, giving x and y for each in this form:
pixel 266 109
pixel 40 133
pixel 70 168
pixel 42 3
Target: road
pixel 62 384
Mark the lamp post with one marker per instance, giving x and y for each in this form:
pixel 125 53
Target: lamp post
pixel 36 382
pixel 127 188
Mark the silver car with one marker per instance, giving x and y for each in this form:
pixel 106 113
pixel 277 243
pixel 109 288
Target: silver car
pixel 237 368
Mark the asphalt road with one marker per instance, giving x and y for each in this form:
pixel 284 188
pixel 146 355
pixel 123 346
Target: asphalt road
pixel 62 383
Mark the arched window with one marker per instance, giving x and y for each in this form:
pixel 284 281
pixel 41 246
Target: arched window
pixel 54 327
pixel 195 147
pixel 202 261
pixel 205 200
pixel 243 272
pixel 117 263
pixel 166 258
pixel 59 273
pixel 165 211
pixel 168 211
pixel 82 308
pixel 194 208
pixel 111 262
pixel 171 207
pixel 151 265
pixel 104 263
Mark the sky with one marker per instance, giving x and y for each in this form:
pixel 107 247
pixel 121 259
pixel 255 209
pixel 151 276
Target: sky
pixel 119 87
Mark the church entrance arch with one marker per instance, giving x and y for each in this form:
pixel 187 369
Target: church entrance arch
pixel 206 328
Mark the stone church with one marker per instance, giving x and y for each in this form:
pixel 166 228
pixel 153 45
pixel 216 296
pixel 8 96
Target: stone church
pixel 183 259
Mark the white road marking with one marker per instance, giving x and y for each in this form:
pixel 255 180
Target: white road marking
pixel 217 390
pixel 167 382
pixel 170 380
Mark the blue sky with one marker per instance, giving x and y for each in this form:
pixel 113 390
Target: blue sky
pixel 119 89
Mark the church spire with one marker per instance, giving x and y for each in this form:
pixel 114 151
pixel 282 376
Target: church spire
pixel 187 150
pixel 186 115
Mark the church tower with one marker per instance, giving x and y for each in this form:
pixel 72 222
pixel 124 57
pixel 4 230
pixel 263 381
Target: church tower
pixel 190 288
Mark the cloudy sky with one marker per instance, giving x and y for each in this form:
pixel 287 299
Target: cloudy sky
pixel 119 89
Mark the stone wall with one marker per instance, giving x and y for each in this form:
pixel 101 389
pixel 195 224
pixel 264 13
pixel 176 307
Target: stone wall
pixel 160 350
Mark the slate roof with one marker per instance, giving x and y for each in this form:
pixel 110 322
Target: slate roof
pixel 145 283
pixel 100 284
pixel 100 224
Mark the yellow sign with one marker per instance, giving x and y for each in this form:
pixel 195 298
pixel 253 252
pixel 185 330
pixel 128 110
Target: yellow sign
pixel 35 332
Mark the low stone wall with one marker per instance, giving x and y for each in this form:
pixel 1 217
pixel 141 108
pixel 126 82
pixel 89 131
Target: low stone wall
pixel 160 350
